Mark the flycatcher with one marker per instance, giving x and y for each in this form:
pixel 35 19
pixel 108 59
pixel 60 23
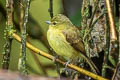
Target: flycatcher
pixel 65 40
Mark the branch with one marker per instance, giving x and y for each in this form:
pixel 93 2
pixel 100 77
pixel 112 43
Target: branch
pixel 113 56
pixel 111 21
pixel 22 65
pixel 90 23
pixel 50 10
pixel 92 17
pixel 9 26
pixel 36 50
pixel 106 53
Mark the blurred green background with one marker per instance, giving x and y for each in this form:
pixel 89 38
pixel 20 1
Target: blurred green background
pixel 37 29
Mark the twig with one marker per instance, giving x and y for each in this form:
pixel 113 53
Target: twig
pixel 90 23
pixel 111 41
pixel 21 14
pixel 111 21
pixel 119 35
pixel 9 26
pixel 92 17
pixel 50 10
pixel 96 20
pixel 101 15
pixel 113 36
pixel 83 13
pixel 113 56
pixel 36 50
pixel 116 75
pixel 23 37
pixel 107 47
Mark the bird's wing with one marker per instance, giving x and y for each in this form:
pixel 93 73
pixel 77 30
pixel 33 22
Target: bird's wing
pixel 72 36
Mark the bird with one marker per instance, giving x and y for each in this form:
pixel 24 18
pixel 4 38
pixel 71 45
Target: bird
pixel 64 38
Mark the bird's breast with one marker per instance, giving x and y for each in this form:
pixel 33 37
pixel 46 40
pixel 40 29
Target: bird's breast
pixel 59 44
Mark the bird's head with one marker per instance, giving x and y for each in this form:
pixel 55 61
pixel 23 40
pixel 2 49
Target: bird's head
pixel 59 19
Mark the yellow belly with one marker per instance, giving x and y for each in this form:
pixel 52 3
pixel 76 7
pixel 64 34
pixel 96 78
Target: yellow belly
pixel 59 44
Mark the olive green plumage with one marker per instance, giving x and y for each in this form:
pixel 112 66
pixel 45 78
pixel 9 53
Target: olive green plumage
pixel 65 40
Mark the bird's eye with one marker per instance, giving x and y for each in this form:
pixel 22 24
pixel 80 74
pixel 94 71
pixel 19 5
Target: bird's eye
pixel 54 23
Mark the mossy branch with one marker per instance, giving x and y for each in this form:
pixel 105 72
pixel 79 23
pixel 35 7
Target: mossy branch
pixel 22 65
pixel 113 36
pixel 8 30
pixel 36 50
pixel 107 29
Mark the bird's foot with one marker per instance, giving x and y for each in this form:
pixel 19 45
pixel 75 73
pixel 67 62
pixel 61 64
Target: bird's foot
pixel 66 71
pixel 54 59
pixel 68 62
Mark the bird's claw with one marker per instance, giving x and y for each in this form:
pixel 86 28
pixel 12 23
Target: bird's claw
pixel 66 71
pixel 54 59
pixel 68 62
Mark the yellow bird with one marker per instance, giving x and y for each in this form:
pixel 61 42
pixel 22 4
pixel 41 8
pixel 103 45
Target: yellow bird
pixel 64 38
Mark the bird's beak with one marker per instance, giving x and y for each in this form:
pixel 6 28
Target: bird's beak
pixel 48 22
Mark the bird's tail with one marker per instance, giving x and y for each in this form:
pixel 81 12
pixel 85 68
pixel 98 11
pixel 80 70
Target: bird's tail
pixel 90 62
